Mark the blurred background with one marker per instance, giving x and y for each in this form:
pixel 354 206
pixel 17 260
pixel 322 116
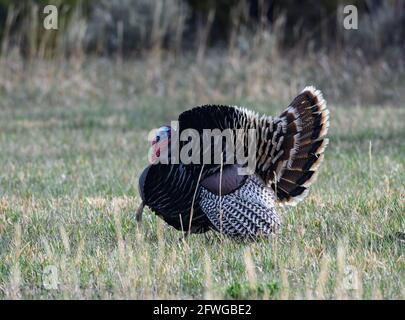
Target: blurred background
pixel 77 104
pixel 209 50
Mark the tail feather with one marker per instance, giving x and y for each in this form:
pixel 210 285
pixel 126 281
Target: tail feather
pixel 307 123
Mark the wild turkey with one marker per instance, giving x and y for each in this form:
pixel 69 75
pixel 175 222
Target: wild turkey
pixel 198 197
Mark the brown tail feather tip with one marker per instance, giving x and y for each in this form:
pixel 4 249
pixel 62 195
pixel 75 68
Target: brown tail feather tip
pixel 311 117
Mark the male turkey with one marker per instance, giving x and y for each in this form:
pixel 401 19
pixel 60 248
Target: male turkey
pixel 197 197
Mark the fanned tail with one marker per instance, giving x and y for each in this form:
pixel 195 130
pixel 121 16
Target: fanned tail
pixel 307 121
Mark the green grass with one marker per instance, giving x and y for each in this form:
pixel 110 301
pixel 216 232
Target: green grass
pixel 70 161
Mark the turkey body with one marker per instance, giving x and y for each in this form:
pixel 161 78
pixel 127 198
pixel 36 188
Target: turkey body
pixel 288 150
pixel 171 192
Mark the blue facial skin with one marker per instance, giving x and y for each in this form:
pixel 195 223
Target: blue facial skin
pixel 162 133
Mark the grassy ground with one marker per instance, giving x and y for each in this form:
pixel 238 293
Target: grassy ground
pixel 72 150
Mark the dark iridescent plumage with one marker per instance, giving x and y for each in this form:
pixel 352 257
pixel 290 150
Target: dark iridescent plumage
pixel 289 151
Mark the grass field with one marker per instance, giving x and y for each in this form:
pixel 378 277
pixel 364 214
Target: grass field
pixel 71 150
